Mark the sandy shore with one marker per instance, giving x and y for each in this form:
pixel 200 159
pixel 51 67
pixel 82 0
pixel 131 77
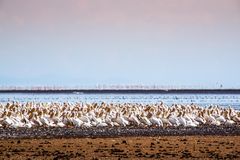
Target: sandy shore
pixel 160 147
pixel 205 142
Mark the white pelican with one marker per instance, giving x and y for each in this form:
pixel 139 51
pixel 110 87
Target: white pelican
pixel 155 121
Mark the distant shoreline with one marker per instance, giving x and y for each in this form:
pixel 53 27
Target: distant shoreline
pixel 127 91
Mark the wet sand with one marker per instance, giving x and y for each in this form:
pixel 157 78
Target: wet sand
pixel 205 142
pixel 72 132
pixel 160 147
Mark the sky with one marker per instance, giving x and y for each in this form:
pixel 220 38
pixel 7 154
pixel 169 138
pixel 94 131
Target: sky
pixel 90 42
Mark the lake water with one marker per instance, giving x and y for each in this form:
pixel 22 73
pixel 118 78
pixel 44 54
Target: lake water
pixel 169 98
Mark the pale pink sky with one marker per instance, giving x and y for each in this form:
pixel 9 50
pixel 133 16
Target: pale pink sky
pixel 179 42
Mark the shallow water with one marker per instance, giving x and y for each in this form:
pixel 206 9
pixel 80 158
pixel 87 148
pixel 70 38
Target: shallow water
pixel 201 99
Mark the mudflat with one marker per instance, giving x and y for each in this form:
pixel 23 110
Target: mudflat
pixel 106 132
pixel 134 147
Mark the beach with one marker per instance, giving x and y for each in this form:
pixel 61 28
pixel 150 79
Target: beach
pixel 206 142
pixel 134 147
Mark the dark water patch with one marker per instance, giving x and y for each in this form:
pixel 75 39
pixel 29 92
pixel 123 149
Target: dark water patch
pixel 52 132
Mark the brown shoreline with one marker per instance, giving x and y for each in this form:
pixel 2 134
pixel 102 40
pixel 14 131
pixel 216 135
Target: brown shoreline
pixel 205 142
pixel 145 147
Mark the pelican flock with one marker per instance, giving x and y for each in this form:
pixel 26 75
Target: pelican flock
pixel 86 115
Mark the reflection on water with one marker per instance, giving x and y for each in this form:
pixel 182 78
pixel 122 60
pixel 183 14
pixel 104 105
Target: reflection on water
pixel 201 99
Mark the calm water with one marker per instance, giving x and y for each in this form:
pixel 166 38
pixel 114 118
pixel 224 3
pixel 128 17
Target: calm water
pixel 201 99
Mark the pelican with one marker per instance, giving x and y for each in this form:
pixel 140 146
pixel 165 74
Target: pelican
pixel 155 121
pixel 144 120
pixel 31 114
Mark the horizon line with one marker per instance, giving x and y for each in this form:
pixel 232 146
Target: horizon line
pixel 117 87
